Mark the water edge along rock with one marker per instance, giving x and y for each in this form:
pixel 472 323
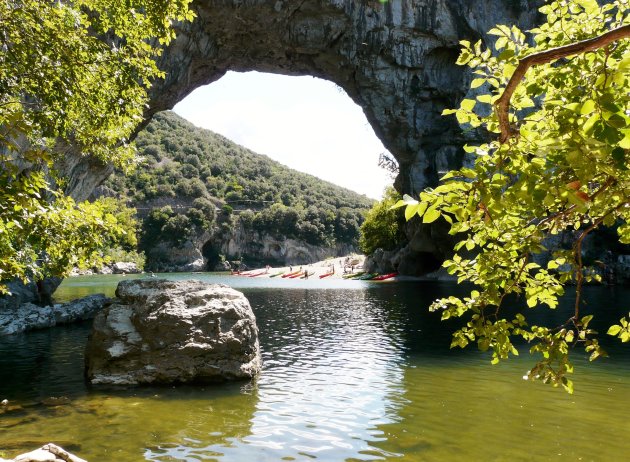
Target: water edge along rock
pixel 29 316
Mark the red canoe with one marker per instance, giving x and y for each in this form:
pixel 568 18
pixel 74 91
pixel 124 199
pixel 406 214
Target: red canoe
pixel 384 277
pixel 288 275
pixel 253 275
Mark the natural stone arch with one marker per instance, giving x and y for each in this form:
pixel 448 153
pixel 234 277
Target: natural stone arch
pixel 396 60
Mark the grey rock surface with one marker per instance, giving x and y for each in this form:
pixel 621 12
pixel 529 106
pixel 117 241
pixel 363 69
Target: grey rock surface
pixel 222 266
pixel 29 316
pixel 260 248
pixel 394 59
pixel 185 257
pixel 124 267
pixel 278 250
pixel 622 269
pixel 158 332
pixel 28 293
pixel 48 453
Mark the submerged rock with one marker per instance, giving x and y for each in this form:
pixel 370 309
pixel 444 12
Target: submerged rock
pixel 29 316
pixel 159 332
pixel 47 453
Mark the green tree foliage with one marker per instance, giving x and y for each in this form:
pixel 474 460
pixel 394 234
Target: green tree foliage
pixel 383 227
pixel 122 247
pixel 126 218
pixel 71 73
pixel 558 107
pixel 79 70
pixel 184 164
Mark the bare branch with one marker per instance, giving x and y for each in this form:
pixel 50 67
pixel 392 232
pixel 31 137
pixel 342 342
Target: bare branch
pixel 502 105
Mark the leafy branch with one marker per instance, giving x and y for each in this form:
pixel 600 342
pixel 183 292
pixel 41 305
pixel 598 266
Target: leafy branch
pixel 502 104
pixel 558 163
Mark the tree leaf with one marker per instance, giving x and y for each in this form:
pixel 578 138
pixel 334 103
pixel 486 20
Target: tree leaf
pixel 431 215
pixel 587 107
pixel 614 330
pixel 468 104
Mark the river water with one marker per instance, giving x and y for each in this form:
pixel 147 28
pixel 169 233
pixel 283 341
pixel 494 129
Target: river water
pixel 353 371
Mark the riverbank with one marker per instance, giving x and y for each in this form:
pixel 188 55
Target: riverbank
pixel 332 268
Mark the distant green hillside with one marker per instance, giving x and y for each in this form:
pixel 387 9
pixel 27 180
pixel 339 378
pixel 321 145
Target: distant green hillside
pixel 193 181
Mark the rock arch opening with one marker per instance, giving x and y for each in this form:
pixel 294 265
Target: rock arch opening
pixel 394 59
pixel 305 123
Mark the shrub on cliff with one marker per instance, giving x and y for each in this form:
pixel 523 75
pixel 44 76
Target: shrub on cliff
pixel 383 227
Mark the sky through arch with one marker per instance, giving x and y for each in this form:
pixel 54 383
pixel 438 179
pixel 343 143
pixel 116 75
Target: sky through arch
pixel 305 123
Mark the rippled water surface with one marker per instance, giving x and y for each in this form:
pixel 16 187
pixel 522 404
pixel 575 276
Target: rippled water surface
pixel 352 371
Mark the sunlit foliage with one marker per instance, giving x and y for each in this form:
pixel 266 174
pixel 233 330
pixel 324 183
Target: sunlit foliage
pixel 195 182
pixel 558 162
pixel 73 74
pixel 383 227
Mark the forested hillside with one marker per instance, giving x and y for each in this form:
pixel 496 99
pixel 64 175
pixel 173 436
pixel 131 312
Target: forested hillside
pixel 192 181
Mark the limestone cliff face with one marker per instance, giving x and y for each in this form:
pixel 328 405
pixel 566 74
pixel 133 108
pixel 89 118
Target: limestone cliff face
pixel 395 59
pixel 201 252
pixel 277 250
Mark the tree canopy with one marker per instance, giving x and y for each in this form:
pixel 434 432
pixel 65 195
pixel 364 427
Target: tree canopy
pixel 73 75
pixel 556 109
pixel 187 172
pixel 383 226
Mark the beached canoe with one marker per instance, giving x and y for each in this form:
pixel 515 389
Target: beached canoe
pixel 277 274
pixel 293 273
pixel 253 275
pixel 384 277
pixel 241 273
pixel 367 277
pixel 354 276
pixel 307 275
pixel 322 276
pixel 297 275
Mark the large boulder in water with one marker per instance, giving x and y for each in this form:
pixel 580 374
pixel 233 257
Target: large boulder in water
pixel 158 331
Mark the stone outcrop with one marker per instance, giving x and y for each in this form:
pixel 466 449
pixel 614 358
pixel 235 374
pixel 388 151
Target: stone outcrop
pixel 201 253
pixel 158 332
pixel 28 293
pixel 125 267
pixel 264 248
pixel 121 267
pixel 28 316
pixel 395 59
pixel 622 269
pixel 166 257
pixel 48 453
